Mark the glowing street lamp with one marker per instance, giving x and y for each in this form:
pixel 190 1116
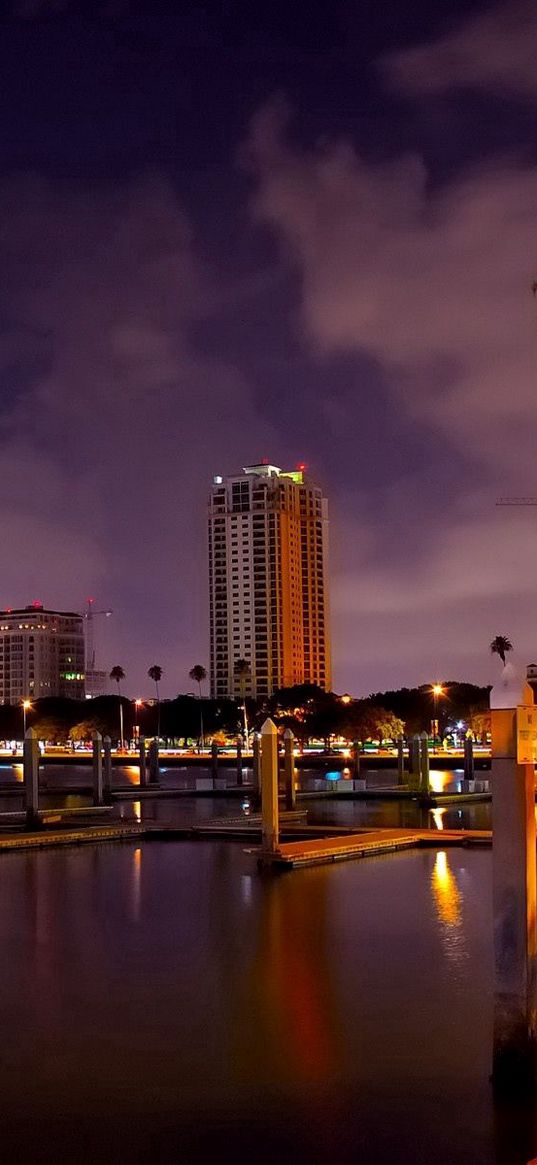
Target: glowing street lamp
pixel 346 699
pixel 437 691
pixel 26 705
pixel 137 706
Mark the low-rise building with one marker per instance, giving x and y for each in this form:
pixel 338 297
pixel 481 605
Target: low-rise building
pixel 41 654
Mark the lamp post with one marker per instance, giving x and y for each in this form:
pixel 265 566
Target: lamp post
pixel 137 705
pixel 26 705
pixel 437 691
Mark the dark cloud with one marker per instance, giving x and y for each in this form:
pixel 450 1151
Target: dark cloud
pixel 108 455
pixel 422 279
pixel 494 51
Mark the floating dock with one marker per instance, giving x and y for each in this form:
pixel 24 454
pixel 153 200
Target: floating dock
pixel 345 847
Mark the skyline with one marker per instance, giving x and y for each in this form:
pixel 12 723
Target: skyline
pixel 219 245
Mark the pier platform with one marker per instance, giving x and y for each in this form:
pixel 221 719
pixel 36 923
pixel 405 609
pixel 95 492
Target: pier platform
pixel 344 847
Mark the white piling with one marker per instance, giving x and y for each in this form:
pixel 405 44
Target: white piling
pixel 256 768
pixel 289 769
pixel 269 787
pixel 514 892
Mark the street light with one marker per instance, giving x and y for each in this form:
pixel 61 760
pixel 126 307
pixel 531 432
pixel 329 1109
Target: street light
pixel 437 691
pixel 345 699
pixel 26 705
pixel 137 705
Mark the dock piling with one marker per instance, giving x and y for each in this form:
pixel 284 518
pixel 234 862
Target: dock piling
pixel 356 758
pixel 468 758
pixel 414 761
pixel 97 768
pixel 269 787
pixel 153 761
pixel 142 762
pixel 400 760
pixel 239 761
pixel 107 770
pixel 425 787
pixel 514 892
pixel 214 760
pixel 289 769
pixel 256 769
pixel 30 764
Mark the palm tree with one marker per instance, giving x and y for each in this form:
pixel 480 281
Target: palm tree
pixel 155 674
pixel 500 646
pixel 242 671
pixel 198 674
pixel 118 675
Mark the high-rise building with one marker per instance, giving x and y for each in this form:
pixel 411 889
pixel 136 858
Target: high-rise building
pixel 41 654
pixel 268 582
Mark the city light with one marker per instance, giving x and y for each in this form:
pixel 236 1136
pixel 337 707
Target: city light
pixel 346 699
pixel 438 690
pixel 26 705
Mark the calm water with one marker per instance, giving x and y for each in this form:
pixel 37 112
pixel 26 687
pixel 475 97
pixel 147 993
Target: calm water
pixel 164 1002
pixel 185 809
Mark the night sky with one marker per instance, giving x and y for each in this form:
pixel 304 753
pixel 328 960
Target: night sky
pixel 235 231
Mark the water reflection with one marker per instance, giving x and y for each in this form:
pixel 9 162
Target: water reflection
pixel 289 988
pixel 136 883
pixel 448 901
pixel 446 892
pixel 437 816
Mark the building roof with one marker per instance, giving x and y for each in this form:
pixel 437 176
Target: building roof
pixel 38 609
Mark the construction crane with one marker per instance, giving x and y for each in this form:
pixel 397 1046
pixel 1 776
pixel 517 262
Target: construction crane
pixel 516 502
pixel 89 616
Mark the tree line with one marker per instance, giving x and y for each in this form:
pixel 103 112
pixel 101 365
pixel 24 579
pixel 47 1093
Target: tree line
pixel 311 713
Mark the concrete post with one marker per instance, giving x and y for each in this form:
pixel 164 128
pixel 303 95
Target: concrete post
pixel 424 764
pixel 97 767
pixel 468 758
pixel 107 770
pixel 30 764
pixel 153 759
pixel 414 750
pixel 400 760
pixel 256 769
pixel 514 893
pixel 214 760
pixel 410 755
pixel 356 758
pixel 142 762
pixel 289 769
pixel 269 787
pixel 239 762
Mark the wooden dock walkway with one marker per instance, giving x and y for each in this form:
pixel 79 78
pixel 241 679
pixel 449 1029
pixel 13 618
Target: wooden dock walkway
pixel 344 847
pixel 43 839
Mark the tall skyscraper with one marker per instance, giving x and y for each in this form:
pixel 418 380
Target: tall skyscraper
pixel 41 654
pixel 268 581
